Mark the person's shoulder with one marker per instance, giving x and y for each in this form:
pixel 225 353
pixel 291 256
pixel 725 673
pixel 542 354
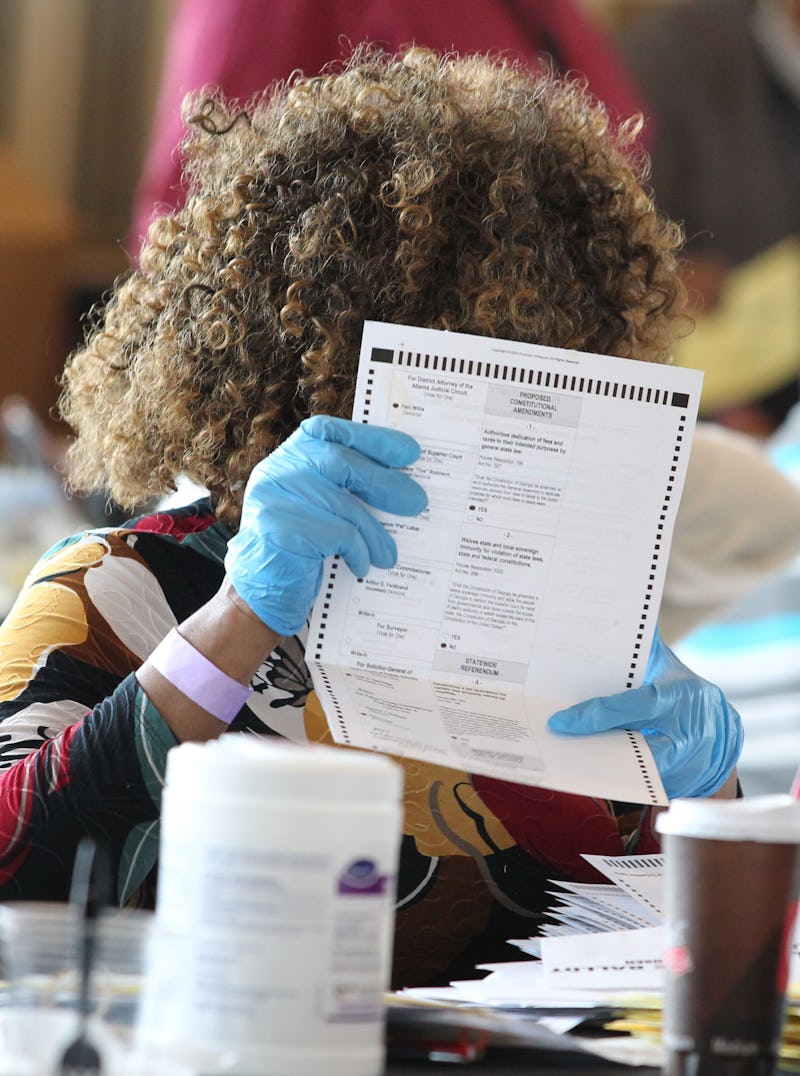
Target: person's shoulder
pixel 87 548
pixel 177 522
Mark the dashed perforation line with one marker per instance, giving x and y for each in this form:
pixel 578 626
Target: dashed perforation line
pixel 637 654
pixel 548 379
pixel 637 751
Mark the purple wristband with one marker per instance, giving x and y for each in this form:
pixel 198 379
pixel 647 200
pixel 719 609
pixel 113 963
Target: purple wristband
pixel 198 678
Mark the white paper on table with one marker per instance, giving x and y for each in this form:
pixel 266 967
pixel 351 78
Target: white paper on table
pixel 641 876
pixel 608 901
pixel 532 580
pixel 531 946
pixel 611 960
pixel 610 909
pixel 521 984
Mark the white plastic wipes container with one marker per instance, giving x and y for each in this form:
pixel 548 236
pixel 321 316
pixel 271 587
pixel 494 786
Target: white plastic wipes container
pixel 274 918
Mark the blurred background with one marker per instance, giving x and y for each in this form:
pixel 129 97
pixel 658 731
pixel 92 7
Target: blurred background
pixel 78 89
pixel 89 104
pixel 78 82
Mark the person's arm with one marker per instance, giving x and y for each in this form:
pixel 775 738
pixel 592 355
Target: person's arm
pixel 77 673
pixel 303 503
pixel 81 748
pixel 230 635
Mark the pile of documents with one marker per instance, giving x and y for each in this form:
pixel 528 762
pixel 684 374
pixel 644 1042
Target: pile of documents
pixel 594 982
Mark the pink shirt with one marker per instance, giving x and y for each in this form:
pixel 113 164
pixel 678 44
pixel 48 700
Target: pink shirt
pixel 242 46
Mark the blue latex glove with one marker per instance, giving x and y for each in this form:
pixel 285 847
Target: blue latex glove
pixel 304 502
pixel 694 733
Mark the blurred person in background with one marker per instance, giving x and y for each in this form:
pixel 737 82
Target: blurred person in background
pixel 731 604
pixel 721 82
pixel 241 46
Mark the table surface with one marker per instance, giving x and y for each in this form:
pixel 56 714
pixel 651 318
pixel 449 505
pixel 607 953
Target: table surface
pixel 522 1062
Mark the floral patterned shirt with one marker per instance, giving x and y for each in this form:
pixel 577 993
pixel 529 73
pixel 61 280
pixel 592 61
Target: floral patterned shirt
pixel 83 750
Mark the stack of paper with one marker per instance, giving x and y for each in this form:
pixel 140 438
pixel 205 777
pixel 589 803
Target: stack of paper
pixel 633 898
pixel 597 967
pixel 516 1007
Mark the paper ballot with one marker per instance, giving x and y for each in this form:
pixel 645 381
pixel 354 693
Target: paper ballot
pixel 531 581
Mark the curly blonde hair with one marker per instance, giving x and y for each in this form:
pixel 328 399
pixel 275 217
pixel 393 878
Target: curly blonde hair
pixel 459 193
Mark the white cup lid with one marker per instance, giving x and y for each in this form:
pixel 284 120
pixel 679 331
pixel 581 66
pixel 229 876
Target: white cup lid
pixel 774 819
pixel 241 764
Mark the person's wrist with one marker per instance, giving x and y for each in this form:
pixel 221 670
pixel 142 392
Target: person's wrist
pixel 230 634
pixel 240 609
pixel 199 679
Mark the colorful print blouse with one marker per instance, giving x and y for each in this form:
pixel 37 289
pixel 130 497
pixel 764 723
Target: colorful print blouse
pixel 83 750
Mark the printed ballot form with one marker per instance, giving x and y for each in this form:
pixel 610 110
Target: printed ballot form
pixel 533 578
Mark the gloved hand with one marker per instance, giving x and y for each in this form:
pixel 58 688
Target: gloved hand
pixel 304 503
pixel 694 733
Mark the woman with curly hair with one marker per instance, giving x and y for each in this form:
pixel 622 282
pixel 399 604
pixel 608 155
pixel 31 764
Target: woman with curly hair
pixel 446 192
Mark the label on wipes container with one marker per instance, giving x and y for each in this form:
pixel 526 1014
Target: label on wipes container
pixel 359 917
pixel 281 929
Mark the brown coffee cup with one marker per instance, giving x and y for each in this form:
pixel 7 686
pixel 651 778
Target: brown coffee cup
pixel 732 873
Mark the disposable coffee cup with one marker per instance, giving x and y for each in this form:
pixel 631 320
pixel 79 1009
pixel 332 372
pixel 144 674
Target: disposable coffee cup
pixel 731 872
